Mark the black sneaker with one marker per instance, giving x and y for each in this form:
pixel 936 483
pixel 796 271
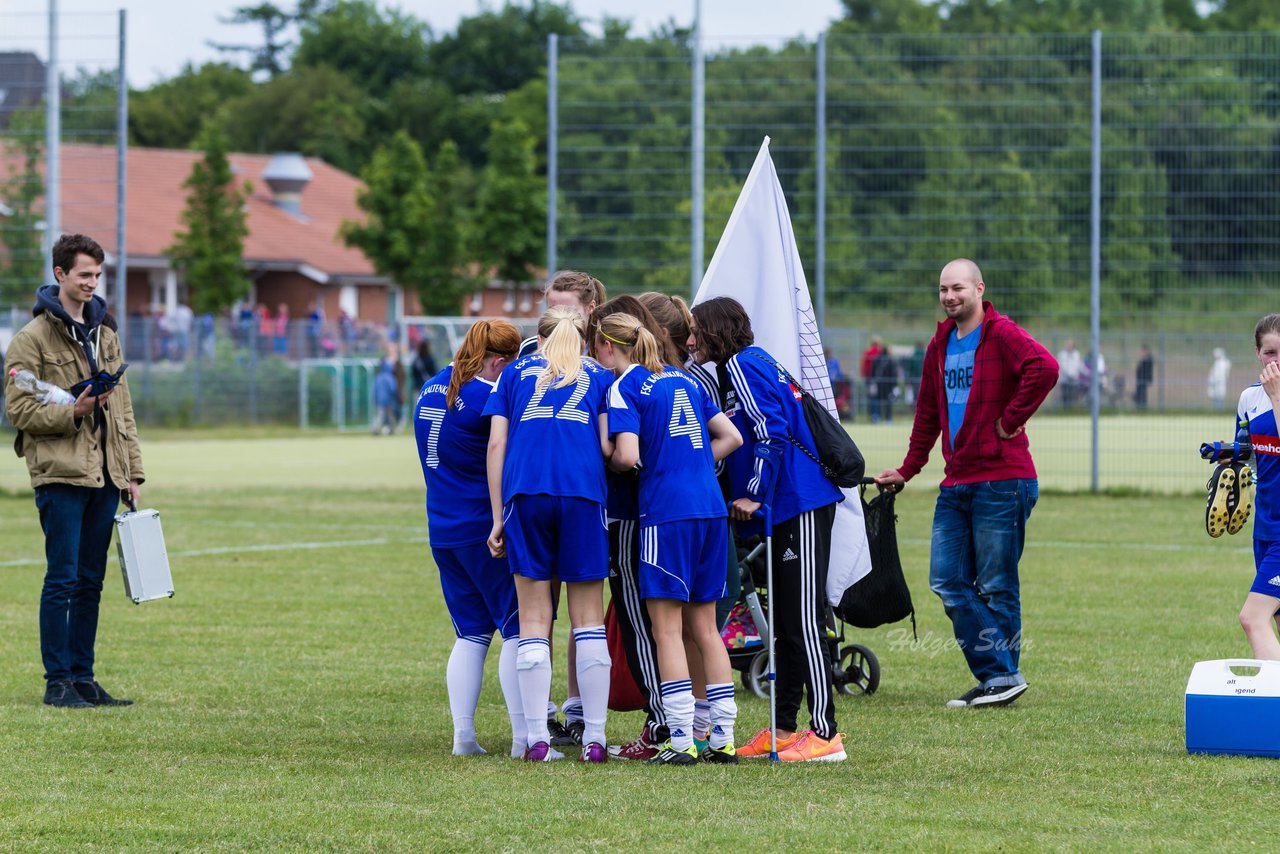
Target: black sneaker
pixel 62 693
pixel 575 730
pixel 670 756
pixel 719 755
pixel 995 695
pixel 560 735
pixel 96 695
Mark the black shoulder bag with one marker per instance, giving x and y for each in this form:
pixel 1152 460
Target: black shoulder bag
pixel 837 454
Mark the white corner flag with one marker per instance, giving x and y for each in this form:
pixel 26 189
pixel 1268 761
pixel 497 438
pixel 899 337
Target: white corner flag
pixel 757 263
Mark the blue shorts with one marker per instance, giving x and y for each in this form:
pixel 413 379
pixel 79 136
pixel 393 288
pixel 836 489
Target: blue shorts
pixel 552 536
pixel 478 592
pixel 1266 557
pixel 684 560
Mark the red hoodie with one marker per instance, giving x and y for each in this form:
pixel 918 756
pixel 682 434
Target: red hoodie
pixel 1012 375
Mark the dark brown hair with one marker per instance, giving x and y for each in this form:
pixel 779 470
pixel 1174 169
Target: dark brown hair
pixel 723 329
pixel 71 245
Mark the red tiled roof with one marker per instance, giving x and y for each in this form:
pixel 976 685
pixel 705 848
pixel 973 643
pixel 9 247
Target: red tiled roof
pixel 156 199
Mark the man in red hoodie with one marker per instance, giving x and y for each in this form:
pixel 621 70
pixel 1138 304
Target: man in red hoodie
pixel 983 377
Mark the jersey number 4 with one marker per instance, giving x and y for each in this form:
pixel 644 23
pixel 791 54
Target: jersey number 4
pixel 568 412
pixel 684 421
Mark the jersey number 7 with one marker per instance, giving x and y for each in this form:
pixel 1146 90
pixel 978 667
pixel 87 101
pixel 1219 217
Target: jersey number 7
pixel 434 416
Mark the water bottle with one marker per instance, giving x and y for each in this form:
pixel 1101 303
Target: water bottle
pixel 1244 441
pixel 45 392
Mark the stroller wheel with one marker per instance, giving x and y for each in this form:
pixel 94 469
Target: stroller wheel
pixel 858 671
pixel 755 676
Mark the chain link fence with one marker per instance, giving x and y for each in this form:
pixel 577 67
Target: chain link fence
pixel 940 146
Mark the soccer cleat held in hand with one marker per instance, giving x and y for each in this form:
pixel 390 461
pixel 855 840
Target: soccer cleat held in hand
pixel 1223 499
pixel 1242 506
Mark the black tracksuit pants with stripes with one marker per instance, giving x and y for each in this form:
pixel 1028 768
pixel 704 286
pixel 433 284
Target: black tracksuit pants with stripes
pixel 633 619
pixel 801 551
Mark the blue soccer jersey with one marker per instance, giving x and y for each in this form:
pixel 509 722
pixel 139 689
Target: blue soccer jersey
pixel 768 467
pixel 669 412
pixel 451 449
pixel 1255 407
pixel 553 434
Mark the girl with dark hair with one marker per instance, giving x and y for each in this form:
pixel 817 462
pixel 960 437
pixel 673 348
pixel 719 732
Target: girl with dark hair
pixel 548 442
pixel 660 417
pixel 770 469
pixel 452 436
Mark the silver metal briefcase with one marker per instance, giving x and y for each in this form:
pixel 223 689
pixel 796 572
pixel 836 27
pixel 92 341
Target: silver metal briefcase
pixel 144 563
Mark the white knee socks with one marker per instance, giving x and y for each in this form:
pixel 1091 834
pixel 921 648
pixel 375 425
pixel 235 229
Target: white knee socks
pixel 593 681
pixel 463 676
pixel 533 669
pixel 701 717
pixel 510 681
pixel 677 705
pixel 724 711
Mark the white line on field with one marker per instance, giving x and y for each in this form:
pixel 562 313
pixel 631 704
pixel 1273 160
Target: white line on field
pixel 1032 542
pixel 266 547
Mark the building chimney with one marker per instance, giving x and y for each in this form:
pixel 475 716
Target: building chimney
pixel 287 175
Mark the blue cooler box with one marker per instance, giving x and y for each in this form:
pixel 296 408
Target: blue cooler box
pixel 1230 711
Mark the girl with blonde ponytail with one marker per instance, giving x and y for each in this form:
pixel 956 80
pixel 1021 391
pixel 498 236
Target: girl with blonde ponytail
pixel 548 441
pixel 666 421
pixel 676 320
pixel 452 435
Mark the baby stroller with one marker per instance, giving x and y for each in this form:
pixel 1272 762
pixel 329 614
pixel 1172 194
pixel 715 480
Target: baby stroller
pixel 854 667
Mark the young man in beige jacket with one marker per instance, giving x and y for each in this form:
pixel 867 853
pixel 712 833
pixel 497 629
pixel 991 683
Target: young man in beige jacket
pixel 81 457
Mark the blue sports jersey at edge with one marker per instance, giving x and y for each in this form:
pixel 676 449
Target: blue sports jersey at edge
pixel 766 410
pixel 669 412
pixel 541 419
pixel 1255 407
pixel 451 449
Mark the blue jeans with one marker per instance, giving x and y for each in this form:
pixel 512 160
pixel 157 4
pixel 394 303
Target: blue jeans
pixel 978 533
pixel 77 523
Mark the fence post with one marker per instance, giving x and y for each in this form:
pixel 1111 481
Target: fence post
pixel 821 188
pixel 553 128
pixel 698 142
pixel 122 175
pixel 1095 255
pixel 52 140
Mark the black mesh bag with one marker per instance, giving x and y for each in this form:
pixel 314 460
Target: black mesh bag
pixel 882 595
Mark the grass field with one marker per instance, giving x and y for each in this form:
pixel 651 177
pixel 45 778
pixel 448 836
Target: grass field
pixel 291 696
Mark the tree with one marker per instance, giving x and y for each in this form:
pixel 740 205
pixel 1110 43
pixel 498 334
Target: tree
pixel 317 111
pixel 412 235
pixel 210 252
pixel 509 231
pixel 499 51
pixel 22 261
pixel 444 285
pixel 274 20
pixel 173 113
pixel 373 49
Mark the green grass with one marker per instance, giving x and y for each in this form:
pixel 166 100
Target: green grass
pixel 293 698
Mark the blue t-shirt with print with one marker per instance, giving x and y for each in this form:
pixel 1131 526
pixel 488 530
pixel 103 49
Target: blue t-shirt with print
pixel 957 376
